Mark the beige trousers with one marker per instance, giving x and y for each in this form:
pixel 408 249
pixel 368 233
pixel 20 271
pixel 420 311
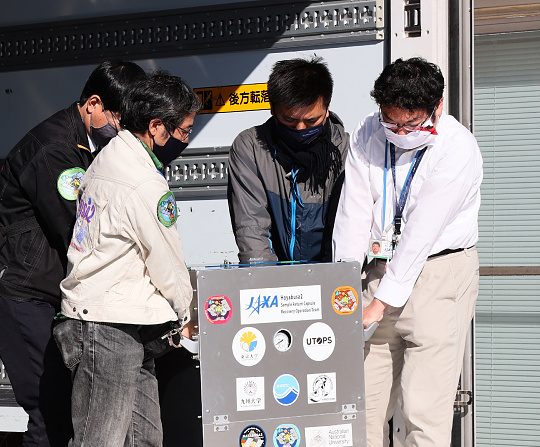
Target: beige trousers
pixel 416 354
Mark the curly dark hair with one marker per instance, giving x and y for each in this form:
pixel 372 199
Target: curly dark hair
pixel 300 83
pixel 161 95
pixel 410 84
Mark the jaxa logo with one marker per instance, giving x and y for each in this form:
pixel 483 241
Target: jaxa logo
pixel 262 302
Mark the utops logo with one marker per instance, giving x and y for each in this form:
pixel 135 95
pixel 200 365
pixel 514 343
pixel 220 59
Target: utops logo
pixel 248 346
pixel 319 341
pixel 286 389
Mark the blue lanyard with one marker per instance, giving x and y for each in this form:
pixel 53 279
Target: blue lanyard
pixel 400 204
pixel 295 197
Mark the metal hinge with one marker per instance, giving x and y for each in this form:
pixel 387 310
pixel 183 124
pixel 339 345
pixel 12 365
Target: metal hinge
pixel 221 422
pixel 412 18
pixel 463 399
pixel 348 412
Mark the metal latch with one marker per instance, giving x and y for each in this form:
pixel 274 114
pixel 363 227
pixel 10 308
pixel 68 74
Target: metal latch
pixel 463 399
pixel 221 422
pixel 412 18
pixel 348 412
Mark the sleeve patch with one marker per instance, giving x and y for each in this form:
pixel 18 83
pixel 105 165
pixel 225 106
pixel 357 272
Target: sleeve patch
pixel 68 183
pixel 167 212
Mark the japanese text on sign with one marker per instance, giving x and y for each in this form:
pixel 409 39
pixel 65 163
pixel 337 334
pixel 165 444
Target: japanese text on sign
pixel 233 98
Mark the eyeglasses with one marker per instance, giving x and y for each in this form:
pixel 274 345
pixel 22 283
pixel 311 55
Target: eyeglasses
pixel 186 131
pixel 407 128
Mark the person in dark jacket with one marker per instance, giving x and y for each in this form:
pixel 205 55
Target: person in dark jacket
pixel 284 175
pixel 38 191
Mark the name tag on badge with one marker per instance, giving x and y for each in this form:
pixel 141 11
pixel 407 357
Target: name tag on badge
pixel 380 248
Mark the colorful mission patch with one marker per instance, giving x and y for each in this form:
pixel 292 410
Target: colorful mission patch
pixel 345 300
pixel 167 212
pixel 68 183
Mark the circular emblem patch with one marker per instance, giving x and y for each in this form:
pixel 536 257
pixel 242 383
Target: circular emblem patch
pixel 287 435
pixel 218 309
pixel 252 436
pixel 68 183
pixel 248 346
pixel 167 212
pixel 286 390
pixel 319 341
pixel 345 300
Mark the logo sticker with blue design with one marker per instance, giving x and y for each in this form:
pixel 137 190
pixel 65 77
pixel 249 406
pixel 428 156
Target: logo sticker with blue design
pixel 68 183
pixel 252 436
pixel 167 212
pixel 287 435
pixel 286 390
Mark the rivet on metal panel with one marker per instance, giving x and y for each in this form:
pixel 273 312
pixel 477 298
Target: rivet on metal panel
pixel 249 274
pixel 309 270
pixel 202 276
pixel 204 333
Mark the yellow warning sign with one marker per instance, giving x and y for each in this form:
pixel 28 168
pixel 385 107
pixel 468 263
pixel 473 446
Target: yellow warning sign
pixel 233 98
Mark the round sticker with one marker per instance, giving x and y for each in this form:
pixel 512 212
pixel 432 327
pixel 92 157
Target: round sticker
pixel 319 341
pixel 167 212
pixel 287 435
pixel 218 309
pixel 248 346
pixel 344 300
pixel 68 183
pixel 252 436
pixel 286 390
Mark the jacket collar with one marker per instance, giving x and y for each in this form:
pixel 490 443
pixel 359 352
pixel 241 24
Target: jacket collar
pixel 78 125
pixel 135 144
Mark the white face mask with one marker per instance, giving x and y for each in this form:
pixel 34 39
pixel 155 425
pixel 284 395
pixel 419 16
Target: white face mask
pixel 412 140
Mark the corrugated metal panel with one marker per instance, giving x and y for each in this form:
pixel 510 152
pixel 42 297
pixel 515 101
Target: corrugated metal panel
pixel 507 127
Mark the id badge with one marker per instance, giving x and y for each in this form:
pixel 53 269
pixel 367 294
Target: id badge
pixel 380 248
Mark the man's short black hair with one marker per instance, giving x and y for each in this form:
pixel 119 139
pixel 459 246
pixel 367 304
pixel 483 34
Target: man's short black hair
pixel 300 83
pixel 159 96
pixel 110 80
pixel 411 84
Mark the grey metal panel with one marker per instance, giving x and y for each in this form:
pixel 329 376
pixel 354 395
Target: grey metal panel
pixel 188 31
pixel 219 367
pixel 36 11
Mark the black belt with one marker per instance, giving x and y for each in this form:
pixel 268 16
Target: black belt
pixel 449 251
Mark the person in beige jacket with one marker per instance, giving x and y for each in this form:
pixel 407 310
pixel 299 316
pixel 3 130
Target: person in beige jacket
pixel 126 271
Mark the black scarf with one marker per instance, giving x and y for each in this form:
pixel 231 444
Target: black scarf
pixel 315 161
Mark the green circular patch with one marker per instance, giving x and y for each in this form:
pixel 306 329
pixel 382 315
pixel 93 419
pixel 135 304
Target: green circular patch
pixel 68 183
pixel 167 212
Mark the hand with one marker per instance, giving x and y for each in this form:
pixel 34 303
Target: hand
pixel 373 312
pixel 189 329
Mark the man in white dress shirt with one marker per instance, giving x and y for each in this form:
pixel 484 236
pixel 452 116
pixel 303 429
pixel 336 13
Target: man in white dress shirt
pixel 412 185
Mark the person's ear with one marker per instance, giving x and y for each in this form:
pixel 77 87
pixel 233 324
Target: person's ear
pixel 154 126
pixel 93 103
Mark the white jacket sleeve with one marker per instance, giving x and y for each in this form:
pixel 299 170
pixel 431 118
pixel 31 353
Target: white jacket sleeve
pixel 160 245
pixel 354 215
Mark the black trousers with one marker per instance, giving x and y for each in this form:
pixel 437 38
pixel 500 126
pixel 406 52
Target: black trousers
pixel 41 383
pixel 179 382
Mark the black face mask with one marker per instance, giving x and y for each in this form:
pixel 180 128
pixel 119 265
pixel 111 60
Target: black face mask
pixel 170 151
pixel 102 135
pixel 298 139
